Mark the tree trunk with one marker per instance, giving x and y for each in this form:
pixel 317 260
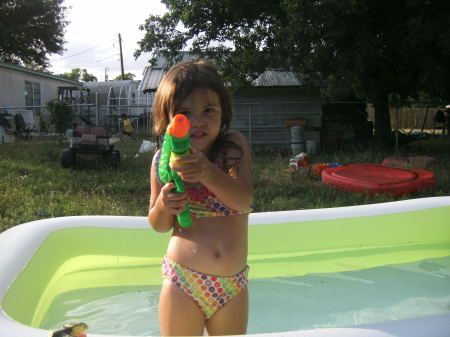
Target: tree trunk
pixel 383 135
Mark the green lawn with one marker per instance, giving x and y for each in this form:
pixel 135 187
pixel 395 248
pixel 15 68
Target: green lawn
pixel 34 186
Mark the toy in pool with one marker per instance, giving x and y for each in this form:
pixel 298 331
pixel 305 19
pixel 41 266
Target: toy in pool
pixel 71 330
pixel 39 265
pixel 377 179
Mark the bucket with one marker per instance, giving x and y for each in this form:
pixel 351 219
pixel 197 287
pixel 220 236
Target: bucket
pixel 312 147
pixel 297 140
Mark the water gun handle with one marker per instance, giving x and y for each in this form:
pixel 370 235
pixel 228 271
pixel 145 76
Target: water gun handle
pixel 176 144
pixel 184 218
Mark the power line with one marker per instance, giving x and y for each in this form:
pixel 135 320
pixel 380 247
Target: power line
pixel 106 58
pixel 84 51
pixel 78 65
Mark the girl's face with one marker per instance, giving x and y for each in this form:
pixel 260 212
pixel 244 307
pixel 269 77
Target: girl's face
pixel 202 108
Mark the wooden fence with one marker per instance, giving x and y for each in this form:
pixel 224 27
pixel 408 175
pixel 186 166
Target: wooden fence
pixel 409 118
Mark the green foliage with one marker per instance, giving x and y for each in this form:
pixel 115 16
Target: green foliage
pixel 30 30
pixel 60 115
pixel 371 49
pixel 79 75
pixel 86 77
pixel 127 76
pixel 34 186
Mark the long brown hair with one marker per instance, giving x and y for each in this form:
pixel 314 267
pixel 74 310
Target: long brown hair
pixel 178 83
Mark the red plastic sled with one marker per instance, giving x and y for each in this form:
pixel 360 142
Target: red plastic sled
pixel 377 179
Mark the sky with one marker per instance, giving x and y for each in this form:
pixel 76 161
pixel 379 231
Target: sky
pixel 92 41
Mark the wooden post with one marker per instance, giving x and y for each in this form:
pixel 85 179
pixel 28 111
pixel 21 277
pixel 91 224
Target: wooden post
pixel 250 118
pixel 425 119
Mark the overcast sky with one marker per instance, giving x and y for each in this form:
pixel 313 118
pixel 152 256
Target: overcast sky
pixel 92 41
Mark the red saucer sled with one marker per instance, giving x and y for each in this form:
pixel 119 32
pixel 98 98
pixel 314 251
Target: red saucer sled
pixel 377 179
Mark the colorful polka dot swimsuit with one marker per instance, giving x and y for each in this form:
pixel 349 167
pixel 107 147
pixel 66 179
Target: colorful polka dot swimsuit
pixel 210 292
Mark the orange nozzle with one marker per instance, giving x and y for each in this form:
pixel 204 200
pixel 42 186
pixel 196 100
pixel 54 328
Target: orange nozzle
pixel 179 126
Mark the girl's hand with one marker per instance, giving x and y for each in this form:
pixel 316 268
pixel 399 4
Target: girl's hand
pixel 192 168
pixel 172 202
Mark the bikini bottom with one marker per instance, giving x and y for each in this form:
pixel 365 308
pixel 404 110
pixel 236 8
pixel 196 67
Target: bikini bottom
pixel 209 292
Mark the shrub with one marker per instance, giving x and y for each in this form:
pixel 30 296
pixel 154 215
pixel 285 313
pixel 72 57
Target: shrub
pixel 60 115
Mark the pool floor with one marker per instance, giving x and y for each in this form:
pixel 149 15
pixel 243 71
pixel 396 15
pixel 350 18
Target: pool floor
pixel 310 301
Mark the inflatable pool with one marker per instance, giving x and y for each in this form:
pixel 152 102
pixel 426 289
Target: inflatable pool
pixel 43 261
pixel 377 179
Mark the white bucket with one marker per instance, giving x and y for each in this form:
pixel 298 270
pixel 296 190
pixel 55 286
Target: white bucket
pixel 312 147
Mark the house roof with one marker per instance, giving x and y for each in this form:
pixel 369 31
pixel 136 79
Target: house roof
pixel 270 78
pixel 277 78
pixel 153 75
pixel 151 79
pixel 39 73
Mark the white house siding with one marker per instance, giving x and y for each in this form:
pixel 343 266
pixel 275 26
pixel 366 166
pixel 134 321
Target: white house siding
pixel 12 89
pixel 12 85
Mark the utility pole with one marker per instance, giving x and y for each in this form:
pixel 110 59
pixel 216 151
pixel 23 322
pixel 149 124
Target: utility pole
pixel 121 57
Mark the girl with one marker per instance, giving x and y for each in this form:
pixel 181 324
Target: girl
pixel 205 269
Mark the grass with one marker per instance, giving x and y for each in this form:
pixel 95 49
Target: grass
pixel 34 186
pixel 276 190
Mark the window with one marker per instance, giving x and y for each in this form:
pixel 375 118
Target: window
pixel 33 95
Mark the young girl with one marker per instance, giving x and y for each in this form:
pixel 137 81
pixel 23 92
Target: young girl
pixel 205 269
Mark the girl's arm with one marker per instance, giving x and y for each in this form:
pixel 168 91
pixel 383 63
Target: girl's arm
pixel 235 190
pixel 164 204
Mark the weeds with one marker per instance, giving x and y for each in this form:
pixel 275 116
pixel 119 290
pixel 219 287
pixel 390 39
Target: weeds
pixel 34 186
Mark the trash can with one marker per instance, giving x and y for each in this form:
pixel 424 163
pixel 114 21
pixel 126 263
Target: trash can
pixel 297 140
pixel 296 130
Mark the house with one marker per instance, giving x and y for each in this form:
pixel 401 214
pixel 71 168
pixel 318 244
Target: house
pixel 278 111
pixel 25 91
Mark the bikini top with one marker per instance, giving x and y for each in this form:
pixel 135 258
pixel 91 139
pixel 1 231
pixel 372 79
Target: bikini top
pixel 202 201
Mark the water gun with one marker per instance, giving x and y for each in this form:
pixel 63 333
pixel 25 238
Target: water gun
pixel 176 144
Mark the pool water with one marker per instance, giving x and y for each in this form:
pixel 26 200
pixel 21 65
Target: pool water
pixel 278 304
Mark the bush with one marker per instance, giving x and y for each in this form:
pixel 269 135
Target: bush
pixel 60 115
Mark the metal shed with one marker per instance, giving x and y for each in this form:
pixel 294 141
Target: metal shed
pixel 275 112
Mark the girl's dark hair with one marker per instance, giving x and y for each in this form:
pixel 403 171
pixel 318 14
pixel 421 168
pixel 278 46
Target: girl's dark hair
pixel 178 83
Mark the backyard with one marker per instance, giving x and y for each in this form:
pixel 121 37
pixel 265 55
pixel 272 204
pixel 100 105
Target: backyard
pixel 34 186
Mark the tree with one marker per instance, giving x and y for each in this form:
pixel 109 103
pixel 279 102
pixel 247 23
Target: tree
pixel 77 74
pixel 86 77
pixel 30 30
pixel 127 76
pixel 371 49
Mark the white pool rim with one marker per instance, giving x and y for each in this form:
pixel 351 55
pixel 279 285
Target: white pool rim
pixel 18 245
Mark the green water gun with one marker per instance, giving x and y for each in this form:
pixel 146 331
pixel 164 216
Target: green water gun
pixel 176 144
